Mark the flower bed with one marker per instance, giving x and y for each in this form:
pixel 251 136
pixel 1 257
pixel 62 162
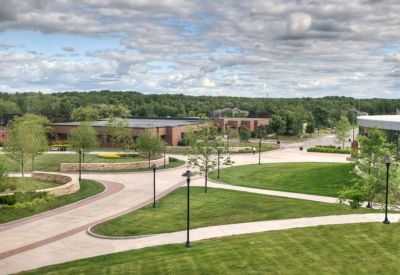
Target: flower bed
pixel 329 149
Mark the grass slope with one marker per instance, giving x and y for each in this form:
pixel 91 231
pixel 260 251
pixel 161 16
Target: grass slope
pixel 28 184
pixel 214 208
pixel 51 162
pixel 372 248
pixel 88 188
pixel 325 179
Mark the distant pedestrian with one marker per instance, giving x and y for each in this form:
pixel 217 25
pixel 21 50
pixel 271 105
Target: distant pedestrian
pixel 254 150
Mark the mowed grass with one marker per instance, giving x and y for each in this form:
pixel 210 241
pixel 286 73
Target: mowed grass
pixel 369 248
pixel 88 188
pixel 216 207
pixel 28 184
pixel 51 162
pixel 325 179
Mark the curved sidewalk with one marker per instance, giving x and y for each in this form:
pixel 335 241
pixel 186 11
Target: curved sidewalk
pixel 300 196
pixel 81 245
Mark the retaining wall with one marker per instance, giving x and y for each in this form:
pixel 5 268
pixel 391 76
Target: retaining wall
pixel 68 184
pixel 73 167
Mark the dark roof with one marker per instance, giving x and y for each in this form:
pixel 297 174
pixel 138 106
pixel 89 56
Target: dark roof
pixel 141 122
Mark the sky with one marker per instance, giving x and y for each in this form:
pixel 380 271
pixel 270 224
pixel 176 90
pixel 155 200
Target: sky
pixel 259 48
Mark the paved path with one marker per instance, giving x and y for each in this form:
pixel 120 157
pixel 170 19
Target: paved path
pixel 67 249
pixel 60 235
pixel 200 182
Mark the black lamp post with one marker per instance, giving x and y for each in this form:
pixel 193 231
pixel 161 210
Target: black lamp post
pixel 154 184
pixel 219 153
pixel 80 163
pixel 259 152
pixel 387 160
pixel 165 144
pixel 227 146
pixel 187 175
pixel 206 175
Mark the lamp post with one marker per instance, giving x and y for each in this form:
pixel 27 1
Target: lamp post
pixel 219 153
pixel 154 184
pixel 259 152
pixel 387 160
pixel 187 175
pixel 80 163
pixel 227 147
pixel 206 175
pixel 165 144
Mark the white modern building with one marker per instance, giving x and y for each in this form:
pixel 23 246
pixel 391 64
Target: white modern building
pixel 384 122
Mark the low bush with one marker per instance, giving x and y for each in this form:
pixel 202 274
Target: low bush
pixel 8 199
pixel 109 155
pixel 40 200
pixel 329 150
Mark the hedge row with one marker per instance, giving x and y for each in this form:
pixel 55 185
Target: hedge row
pixel 328 150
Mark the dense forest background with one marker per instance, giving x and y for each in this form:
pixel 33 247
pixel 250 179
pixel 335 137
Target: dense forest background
pixel 326 111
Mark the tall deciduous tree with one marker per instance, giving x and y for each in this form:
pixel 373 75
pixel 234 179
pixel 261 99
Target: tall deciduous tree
pixel 321 116
pixel 371 172
pixel 83 137
pixel 120 133
pixel 277 124
pixel 87 113
pixel 203 155
pixel 149 144
pixel 342 130
pixel 39 130
pixel 18 142
pixel 244 134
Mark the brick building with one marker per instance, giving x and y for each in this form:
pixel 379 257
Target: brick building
pixel 171 130
pixel 237 123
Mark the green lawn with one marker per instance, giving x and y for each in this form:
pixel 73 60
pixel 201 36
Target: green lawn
pixel 51 162
pixel 325 179
pixel 216 207
pixel 88 188
pixel 28 184
pixel 370 248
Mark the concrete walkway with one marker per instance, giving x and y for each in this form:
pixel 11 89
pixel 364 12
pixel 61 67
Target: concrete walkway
pixel 200 182
pixel 78 246
pixel 60 235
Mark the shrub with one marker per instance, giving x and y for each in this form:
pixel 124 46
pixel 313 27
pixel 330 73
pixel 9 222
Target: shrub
pixel 8 199
pixel 183 142
pixel 109 155
pixel 128 155
pixel 328 150
pixel 40 199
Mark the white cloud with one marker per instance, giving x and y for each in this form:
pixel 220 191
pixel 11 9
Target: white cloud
pixel 307 48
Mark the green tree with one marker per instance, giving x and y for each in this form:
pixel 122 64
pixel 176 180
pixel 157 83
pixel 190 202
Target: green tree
pixel 277 124
pixel 85 114
pixel 370 171
pixel 342 130
pixel 83 137
pixel 204 153
pixel 120 133
pixel 8 107
pixel 18 142
pixel 149 144
pixel 244 134
pixel 310 129
pixel 39 130
pixel 321 116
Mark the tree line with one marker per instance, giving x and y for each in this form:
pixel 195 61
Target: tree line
pixel 59 107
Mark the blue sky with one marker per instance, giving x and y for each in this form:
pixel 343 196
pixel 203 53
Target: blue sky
pixel 303 48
